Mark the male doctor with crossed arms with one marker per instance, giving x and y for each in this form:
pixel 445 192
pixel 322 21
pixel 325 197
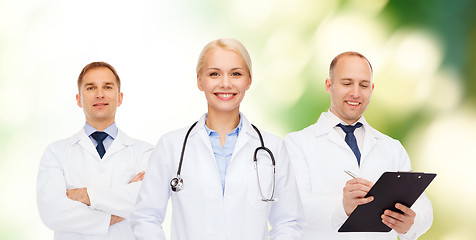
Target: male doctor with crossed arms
pixel 343 140
pixel 88 183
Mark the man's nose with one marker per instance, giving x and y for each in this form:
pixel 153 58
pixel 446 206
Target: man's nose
pixel 355 91
pixel 99 93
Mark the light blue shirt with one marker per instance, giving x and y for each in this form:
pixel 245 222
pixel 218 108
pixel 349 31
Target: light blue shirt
pixel 223 154
pixel 111 131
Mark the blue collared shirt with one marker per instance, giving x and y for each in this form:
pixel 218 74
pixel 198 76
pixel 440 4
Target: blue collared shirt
pixel 223 154
pixel 111 131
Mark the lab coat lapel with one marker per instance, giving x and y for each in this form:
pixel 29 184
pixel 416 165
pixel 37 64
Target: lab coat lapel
pixel 202 132
pixel 324 126
pixel 234 174
pixel 244 136
pixel 203 136
pixel 83 140
pixel 121 141
pixel 334 137
pixel 370 140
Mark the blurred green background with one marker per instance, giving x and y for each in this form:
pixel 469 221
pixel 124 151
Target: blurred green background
pixel 423 53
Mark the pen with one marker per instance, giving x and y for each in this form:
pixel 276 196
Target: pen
pixel 350 173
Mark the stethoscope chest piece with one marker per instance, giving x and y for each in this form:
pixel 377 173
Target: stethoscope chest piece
pixel 176 184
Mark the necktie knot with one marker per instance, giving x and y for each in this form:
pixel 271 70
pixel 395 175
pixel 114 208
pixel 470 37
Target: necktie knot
pixel 99 137
pixel 349 128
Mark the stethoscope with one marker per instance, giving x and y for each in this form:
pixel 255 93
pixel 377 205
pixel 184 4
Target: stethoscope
pixel 176 184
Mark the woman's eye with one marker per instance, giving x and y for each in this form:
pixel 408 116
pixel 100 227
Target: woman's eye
pixel 89 88
pixel 236 74
pixel 213 74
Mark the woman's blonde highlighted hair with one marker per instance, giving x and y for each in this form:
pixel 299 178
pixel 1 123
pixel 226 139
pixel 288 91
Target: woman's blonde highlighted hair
pixel 229 44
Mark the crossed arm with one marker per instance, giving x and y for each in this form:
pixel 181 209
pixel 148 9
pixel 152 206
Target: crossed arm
pixel 81 195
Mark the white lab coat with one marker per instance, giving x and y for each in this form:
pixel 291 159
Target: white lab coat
pixel 319 157
pixel 201 210
pixel 75 163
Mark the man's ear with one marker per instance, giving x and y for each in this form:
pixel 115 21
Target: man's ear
pixel 119 99
pixel 78 100
pixel 328 85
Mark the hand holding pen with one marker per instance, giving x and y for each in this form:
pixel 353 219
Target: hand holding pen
pixel 399 222
pixel 354 193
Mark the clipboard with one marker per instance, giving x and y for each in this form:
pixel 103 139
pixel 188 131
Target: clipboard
pixel 390 188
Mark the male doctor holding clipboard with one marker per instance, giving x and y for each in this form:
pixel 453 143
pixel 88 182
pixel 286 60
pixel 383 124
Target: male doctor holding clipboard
pixel 343 140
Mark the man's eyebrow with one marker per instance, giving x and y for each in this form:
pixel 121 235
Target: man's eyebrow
pixel 351 79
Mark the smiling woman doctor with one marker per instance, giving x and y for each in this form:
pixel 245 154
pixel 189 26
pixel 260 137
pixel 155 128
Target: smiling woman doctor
pixel 215 188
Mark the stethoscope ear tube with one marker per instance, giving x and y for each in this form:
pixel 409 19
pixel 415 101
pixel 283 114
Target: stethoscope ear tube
pixel 263 198
pixel 255 159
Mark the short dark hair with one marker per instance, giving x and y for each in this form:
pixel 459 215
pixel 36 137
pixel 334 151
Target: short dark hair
pixel 349 53
pixel 94 65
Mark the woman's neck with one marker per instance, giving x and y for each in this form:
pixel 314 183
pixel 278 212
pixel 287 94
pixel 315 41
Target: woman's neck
pixel 223 122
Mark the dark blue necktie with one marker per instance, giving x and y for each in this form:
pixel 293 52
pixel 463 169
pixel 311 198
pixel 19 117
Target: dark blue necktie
pixel 350 138
pixel 99 137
